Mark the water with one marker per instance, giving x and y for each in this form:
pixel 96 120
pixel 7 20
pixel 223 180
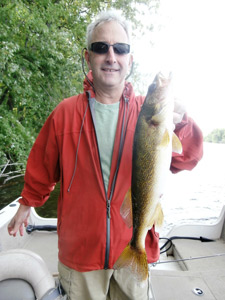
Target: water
pixel 192 197
pixel 12 189
pixel 197 196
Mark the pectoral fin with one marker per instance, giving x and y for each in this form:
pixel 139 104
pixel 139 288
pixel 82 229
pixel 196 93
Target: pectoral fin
pixel 166 139
pixel 176 144
pixel 158 217
pixel 126 209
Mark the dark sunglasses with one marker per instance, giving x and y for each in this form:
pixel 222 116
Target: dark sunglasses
pixel 102 48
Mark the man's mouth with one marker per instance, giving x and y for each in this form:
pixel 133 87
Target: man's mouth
pixel 109 70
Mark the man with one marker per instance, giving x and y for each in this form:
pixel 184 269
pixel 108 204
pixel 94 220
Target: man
pixel 86 143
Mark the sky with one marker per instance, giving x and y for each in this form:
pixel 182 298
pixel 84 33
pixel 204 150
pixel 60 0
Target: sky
pixel 188 40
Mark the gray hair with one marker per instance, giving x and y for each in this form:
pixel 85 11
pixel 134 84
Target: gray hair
pixel 107 16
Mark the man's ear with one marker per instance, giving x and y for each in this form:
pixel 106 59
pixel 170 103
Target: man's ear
pixel 87 58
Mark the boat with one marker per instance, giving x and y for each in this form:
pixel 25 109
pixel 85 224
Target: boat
pixel 191 264
pixel 28 264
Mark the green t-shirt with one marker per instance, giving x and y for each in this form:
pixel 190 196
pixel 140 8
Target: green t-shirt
pixel 106 117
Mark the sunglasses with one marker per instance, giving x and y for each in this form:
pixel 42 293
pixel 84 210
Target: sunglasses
pixel 102 48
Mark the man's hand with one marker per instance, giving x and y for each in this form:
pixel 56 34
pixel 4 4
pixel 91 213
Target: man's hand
pixel 178 113
pixel 19 220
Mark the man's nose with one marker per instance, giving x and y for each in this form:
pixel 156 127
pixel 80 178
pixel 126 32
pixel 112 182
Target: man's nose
pixel 111 57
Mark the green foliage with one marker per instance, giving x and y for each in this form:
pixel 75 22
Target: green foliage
pixel 39 58
pixel 216 136
pixel 40 61
pixel 16 140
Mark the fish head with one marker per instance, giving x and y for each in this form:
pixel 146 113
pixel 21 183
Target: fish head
pixel 159 101
pixel 159 90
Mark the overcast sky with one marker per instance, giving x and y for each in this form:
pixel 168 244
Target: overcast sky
pixel 191 44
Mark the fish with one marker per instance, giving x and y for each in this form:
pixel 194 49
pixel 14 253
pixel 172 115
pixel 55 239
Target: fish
pixel 153 144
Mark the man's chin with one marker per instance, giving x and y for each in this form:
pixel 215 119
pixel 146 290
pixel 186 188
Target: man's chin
pixel 111 84
pixel 112 79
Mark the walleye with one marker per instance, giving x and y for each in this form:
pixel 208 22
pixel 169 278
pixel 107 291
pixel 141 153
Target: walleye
pixel 153 144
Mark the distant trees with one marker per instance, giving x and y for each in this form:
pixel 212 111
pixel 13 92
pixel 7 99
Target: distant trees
pixel 40 62
pixel 216 136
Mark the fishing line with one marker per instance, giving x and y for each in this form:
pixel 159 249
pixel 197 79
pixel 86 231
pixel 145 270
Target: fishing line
pixel 131 71
pixel 82 60
pixel 187 259
pixel 169 241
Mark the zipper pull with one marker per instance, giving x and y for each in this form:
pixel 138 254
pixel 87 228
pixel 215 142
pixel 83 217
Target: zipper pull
pixel 108 210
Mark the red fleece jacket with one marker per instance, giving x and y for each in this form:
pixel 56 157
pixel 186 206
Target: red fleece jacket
pixel 66 151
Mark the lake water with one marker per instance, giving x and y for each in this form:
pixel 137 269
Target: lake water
pixel 195 196
pixel 12 189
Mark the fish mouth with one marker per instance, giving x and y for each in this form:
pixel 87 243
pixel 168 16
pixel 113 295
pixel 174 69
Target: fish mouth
pixel 159 91
pixel 160 81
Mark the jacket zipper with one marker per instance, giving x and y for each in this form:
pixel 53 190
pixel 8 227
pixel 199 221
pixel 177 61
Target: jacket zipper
pixel 122 139
pixel 108 200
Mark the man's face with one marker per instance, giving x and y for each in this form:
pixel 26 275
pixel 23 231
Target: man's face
pixel 110 69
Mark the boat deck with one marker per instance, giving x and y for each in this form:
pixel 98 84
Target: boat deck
pixel 206 250
pixel 197 267
pixel 45 244
pixel 193 266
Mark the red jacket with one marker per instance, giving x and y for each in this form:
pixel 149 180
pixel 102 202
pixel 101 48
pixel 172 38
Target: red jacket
pixel 66 150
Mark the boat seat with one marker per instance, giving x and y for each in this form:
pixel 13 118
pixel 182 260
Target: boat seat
pixel 9 290
pixel 185 249
pixel 27 270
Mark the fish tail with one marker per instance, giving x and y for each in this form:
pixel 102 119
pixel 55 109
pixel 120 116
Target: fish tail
pixel 135 260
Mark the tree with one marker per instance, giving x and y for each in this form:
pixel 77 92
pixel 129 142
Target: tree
pixel 40 61
pixel 216 136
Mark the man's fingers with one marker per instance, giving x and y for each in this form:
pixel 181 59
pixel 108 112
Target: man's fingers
pixel 11 226
pixel 26 221
pixel 13 230
pixel 177 118
pixel 19 220
pixel 14 226
pixel 21 230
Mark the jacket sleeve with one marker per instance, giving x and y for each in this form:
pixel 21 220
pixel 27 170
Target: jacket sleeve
pixel 191 138
pixel 42 171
